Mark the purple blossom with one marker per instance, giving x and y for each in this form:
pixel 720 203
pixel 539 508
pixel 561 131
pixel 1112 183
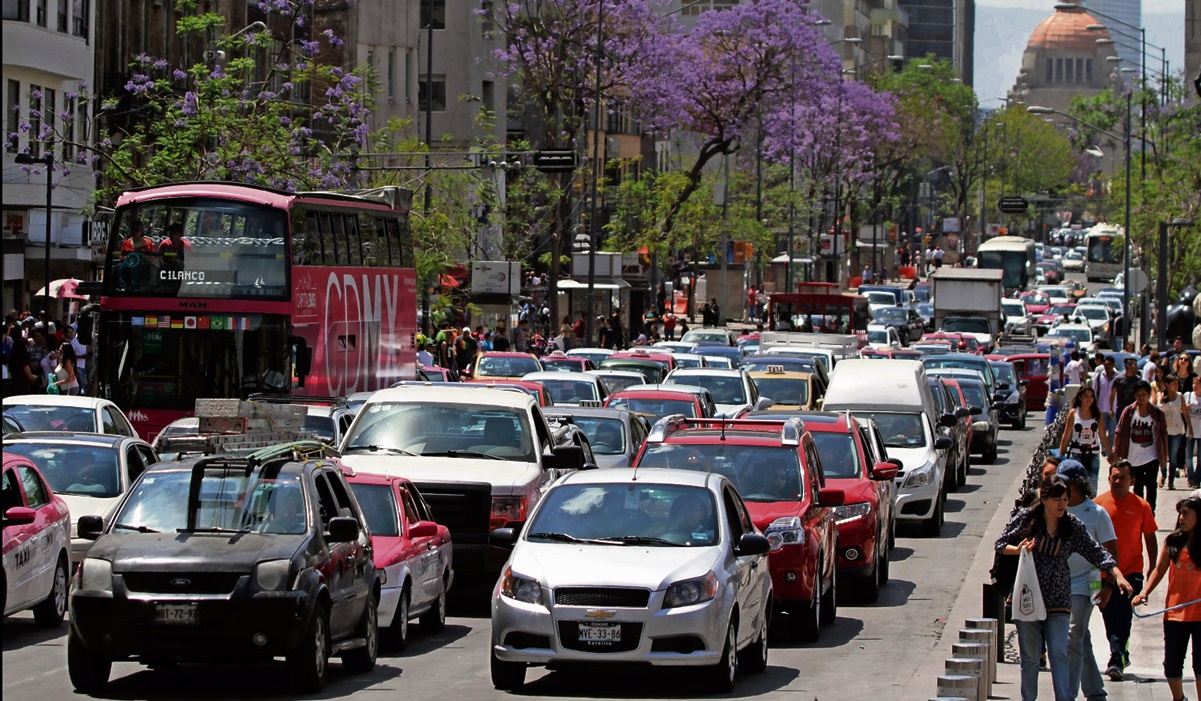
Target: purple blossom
pixel 179 74
pixel 189 106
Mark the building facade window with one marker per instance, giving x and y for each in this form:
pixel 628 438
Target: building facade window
pixel 437 90
pixel 17 10
pixel 79 18
pixel 1059 70
pixel 41 13
pixel 1088 71
pixel 1050 72
pixel 81 122
pixel 12 115
pixel 391 77
pixel 408 77
pixel 1070 73
pixel 488 95
pixel 68 129
pixel 1080 71
pixel 438 18
pixel 64 16
pixel 49 117
pixel 35 120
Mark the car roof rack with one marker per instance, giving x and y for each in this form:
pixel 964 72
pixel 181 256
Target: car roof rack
pixel 790 431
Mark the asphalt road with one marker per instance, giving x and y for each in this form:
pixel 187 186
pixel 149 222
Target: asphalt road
pixel 872 651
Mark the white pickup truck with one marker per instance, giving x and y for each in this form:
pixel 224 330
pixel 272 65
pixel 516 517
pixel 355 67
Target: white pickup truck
pixel 482 458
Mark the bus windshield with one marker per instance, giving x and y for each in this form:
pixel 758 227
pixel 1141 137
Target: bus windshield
pixel 1102 249
pixel 1012 264
pixel 193 247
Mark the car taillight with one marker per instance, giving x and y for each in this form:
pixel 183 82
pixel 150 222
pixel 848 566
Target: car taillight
pixel 506 509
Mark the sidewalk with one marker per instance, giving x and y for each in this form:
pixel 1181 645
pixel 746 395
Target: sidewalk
pixel 1144 676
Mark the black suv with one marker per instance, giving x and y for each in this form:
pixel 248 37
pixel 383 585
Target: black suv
pixel 228 559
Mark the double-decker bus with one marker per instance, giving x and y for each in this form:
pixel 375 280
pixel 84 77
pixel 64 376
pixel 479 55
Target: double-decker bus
pixel 222 290
pixel 1013 256
pixel 822 307
pixel 1103 252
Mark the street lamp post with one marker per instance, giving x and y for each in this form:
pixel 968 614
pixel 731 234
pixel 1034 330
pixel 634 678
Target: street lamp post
pixel 1126 315
pixel 593 216
pixel 1161 282
pixel 47 159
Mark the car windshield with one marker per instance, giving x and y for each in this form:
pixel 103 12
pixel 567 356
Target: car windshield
pixel 898 430
pixel 1093 312
pixel 1014 308
pixel 1062 309
pixel 626 515
pixel 83 470
pixel 966 325
pixel 885 298
pixel 891 315
pixel 1005 373
pixel 974 393
pixel 1037 300
pixel 839 454
pixel 562 364
pixel 447 430
pixel 926 310
pixel 654 407
pixel 215 499
pixel 378 503
pixel 594 356
pixel 323 426
pixel 705 337
pixel 53 418
pixel 1074 334
pixel 763 473
pixel 954 360
pixel 784 390
pixel 651 372
pixel 725 389
pixel 606 436
pixel 616 383
pixel 506 367
pixel 688 361
pixel 569 391
pixel 877 336
pixel 718 361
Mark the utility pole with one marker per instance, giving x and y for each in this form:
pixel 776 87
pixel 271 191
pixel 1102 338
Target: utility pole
pixel 429 145
pixel 593 216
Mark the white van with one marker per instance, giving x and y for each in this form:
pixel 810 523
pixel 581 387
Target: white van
pixel 896 395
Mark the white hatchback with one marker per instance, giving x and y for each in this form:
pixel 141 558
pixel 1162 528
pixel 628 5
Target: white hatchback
pixel 660 567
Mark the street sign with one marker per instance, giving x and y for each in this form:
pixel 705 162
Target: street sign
pixel 1139 281
pixel 555 161
pixel 1013 205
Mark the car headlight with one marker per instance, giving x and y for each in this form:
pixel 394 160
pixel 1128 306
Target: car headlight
pixel 96 575
pixel 1013 398
pixel 787 530
pixel 920 477
pixel 851 512
pixel 520 588
pixel 272 575
pixel 690 592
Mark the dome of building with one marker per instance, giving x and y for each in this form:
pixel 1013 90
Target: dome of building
pixel 1067 30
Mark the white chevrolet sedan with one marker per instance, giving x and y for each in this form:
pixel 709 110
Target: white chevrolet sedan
pixel 662 567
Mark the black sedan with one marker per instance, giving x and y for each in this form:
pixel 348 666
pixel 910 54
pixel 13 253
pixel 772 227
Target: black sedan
pixel 615 435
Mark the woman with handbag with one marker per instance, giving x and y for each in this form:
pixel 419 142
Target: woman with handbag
pixel 1048 535
pixel 64 381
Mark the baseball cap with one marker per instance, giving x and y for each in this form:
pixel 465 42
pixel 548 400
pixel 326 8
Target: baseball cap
pixel 1071 470
pixel 466 330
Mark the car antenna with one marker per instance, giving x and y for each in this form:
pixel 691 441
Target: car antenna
pixel 723 430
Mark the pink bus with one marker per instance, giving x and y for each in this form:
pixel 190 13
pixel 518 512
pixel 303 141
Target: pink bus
pixel 223 290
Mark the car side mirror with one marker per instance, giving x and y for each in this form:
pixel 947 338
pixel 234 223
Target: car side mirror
pixel 942 443
pixel 963 412
pixel 564 457
pixel 831 497
pixel 590 466
pixel 423 529
pixel 503 537
pixel 1024 383
pixel 763 403
pixel 998 398
pixel 90 527
pixel 883 471
pixel 896 461
pixel 948 420
pixel 752 544
pixel 1002 385
pixel 19 516
pixel 342 529
pixel 976 411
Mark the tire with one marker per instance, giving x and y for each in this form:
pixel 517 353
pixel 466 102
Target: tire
pixel 932 526
pixel 963 468
pixel 308 664
pixel 722 675
pixel 89 671
pixel 362 659
pixel 397 634
pixel 806 620
pixel 49 613
pixel 507 676
pixel 829 606
pixel 868 588
pixel 753 659
pixel 886 566
pixel 1022 420
pixel 990 454
pixel 434 620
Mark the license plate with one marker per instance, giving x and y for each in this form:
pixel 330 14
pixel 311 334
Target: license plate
pixel 177 614
pixel 600 632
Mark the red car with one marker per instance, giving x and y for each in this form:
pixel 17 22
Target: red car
pixel 433 374
pixel 37 542
pixel 961 342
pixel 1035 303
pixel 865 519
pixel 775 467
pixel 1034 368
pixel 567 363
pixel 496 365
pixel 412 554
pixel 534 389
pixel 665 359
pixel 658 401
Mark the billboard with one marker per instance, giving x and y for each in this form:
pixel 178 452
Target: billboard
pixel 489 277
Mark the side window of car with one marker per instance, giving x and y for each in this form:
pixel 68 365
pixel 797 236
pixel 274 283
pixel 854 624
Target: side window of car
pixel 344 422
pixel 813 460
pixel 412 514
pixel 108 421
pixel 423 509
pixel 342 495
pixel 10 493
pixel 148 455
pixel 35 491
pixel 134 463
pixel 733 522
pixel 327 504
pixel 744 517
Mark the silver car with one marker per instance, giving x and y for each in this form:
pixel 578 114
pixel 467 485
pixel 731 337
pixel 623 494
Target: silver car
pixel 615 435
pixel 660 567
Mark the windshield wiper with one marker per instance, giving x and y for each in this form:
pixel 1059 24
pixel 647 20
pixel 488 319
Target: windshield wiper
pixel 462 454
pixel 139 529
pixel 641 540
pixel 381 449
pixel 212 529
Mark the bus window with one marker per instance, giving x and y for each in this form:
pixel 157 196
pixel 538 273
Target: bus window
pixel 326 236
pixel 338 234
pixel 392 234
pixel 354 250
pixel 370 242
pixel 404 240
pixel 306 248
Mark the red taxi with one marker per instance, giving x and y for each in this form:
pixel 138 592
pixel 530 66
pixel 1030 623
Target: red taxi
pixel 37 538
pixel 497 365
pixel 1035 368
pixel 962 342
pixel 534 389
pixel 658 401
pixel 777 469
pixel 558 360
pixel 412 554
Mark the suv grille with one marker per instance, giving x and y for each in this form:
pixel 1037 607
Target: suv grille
pixel 181 582
pixel 602 596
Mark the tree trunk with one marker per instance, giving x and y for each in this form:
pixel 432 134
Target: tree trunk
pixel 713 147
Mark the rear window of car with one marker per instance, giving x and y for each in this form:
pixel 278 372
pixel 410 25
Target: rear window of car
pixel 762 473
pixel 53 418
pixel 81 470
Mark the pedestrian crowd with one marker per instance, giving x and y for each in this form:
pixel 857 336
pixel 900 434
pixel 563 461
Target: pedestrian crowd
pixel 42 355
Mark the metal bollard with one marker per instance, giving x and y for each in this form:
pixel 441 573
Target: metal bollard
pixel 969 667
pixel 958 685
pixel 984 636
pixel 993 625
pixel 976 651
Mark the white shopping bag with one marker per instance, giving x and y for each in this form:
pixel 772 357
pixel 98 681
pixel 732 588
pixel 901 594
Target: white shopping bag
pixel 1027 596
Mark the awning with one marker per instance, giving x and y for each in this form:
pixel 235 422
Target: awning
pixel 447 281
pixel 606 284
pixel 783 258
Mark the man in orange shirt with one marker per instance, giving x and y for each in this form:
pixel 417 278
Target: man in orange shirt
pixel 1134 523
